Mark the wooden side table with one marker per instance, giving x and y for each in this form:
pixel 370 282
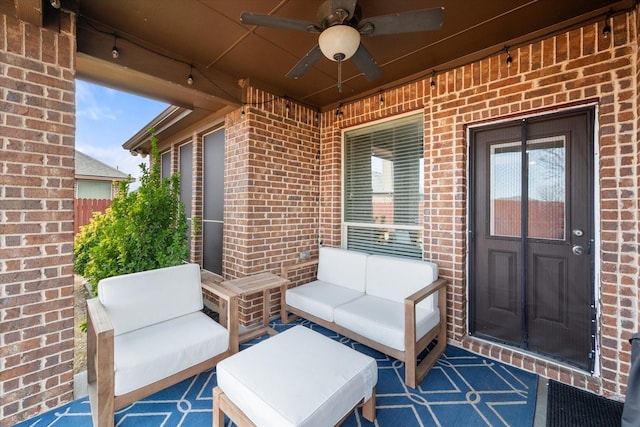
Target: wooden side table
pixel 262 282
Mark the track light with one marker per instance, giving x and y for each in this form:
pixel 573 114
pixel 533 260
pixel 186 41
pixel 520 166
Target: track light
pixel 115 53
pixel 509 60
pixel 606 30
pixel 190 76
pixel 56 4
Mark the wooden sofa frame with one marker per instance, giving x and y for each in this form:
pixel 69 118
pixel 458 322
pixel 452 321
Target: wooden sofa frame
pixel 100 359
pixel 414 371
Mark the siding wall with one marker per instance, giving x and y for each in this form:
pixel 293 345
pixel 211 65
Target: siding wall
pixel 37 126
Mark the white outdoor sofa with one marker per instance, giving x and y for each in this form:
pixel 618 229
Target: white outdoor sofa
pixel 394 305
pixel 146 331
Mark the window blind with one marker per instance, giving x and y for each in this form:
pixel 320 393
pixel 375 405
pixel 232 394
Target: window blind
pixel 383 187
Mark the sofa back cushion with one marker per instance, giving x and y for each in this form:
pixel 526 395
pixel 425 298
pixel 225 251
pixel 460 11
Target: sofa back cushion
pixel 342 267
pixel 396 278
pixel 136 300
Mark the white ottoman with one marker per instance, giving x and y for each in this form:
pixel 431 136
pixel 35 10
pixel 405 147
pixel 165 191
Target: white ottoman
pixel 296 378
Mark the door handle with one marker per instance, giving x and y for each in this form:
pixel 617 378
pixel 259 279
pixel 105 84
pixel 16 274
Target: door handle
pixel 577 250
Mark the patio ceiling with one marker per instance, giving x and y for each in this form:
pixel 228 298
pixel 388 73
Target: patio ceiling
pixel 162 42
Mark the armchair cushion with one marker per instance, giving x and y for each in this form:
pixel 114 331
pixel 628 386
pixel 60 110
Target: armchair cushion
pixel 136 300
pixel 396 278
pixel 342 267
pixel 320 298
pixel 149 354
pixel 382 320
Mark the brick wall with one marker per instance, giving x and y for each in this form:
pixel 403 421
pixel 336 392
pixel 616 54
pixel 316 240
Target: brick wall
pixel 575 67
pixel 330 178
pixel 271 194
pixel 37 121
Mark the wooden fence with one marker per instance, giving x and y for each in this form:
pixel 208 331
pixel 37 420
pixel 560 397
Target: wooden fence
pixel 84 209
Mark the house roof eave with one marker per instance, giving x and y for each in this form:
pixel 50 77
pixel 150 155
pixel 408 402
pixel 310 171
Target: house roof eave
pixel 103 178
pixel 139 143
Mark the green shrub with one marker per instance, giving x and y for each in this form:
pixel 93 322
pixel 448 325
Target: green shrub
pixel 142 230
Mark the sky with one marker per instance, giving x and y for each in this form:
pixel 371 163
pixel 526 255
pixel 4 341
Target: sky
pixel 106 119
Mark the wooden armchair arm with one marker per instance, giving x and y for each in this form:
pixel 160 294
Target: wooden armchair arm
pixel 219 291
pixel 228 311
pixel 414 371
pixel 100 319
pixel 99 338
pixel 423 293
pixel 286 268
pixel 100 367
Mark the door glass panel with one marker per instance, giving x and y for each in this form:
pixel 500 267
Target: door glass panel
pixel 546 181
pixel 505 166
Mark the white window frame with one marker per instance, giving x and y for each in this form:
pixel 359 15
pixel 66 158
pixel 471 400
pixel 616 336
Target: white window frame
pixel 413 229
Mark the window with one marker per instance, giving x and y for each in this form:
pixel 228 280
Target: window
pixel 383 188
pixel 94 190
pixel 546 172
pixel 165 165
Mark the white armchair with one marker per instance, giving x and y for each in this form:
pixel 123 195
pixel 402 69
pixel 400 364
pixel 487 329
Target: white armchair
pixel 146 331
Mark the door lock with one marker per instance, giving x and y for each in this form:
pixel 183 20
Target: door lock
pixel 577 250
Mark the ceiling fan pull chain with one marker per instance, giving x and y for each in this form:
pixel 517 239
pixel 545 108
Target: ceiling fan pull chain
pixel 340 76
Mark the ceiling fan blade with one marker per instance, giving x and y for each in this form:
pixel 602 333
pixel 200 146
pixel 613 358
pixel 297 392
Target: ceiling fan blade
pixel 365 63
pixel 305 63
pixel 249 18
pixel 405 22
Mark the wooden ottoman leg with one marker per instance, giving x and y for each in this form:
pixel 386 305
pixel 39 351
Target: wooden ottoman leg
pixel 218 415
pixel 369 407
pixel 222 406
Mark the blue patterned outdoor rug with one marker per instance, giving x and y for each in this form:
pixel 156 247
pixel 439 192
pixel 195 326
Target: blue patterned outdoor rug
pixel 462 389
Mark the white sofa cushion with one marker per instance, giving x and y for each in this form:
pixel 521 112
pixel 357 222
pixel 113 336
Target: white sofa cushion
pixel 141 299
pixel 320 298
pixel 396 278
pixel 150 354
pixel 342 267
pixel 297 378
pixel 382 320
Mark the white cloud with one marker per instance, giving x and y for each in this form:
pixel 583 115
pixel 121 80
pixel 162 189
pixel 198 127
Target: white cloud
pixel 107 118
pixel 87 104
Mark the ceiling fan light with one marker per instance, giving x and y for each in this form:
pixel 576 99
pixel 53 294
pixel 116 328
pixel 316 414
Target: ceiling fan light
pixel 339 42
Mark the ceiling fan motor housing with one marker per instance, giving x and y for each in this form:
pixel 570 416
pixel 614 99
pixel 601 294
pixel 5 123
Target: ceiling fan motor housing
pixel 339 42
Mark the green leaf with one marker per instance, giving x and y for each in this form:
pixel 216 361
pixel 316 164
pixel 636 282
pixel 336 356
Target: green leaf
pixel 142 230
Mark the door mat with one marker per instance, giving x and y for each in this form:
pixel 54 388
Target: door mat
pixel 569 406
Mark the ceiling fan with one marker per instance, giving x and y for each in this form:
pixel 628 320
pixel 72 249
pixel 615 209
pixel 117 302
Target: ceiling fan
pixel 340 25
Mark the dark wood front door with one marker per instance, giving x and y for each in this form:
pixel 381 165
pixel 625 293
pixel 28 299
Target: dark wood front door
pixel 531 235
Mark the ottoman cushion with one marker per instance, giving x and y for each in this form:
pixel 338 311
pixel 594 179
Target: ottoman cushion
pixel 297 378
